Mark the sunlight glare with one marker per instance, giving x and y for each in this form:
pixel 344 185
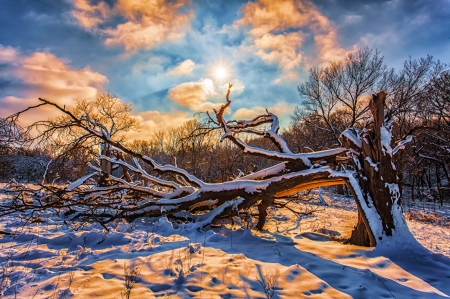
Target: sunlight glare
pixel 220 73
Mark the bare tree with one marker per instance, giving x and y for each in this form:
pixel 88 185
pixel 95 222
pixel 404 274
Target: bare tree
pixel 417 103
pixel 14 156
pixel 343 85
pixel 11 133
pixel 429 171
pixel 63 138
pixel 336 98
pixel 439 95
pixel 409 93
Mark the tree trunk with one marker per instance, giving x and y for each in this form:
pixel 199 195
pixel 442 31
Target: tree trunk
pixel 126 173
pixel 105 165
pixel 340 189
pixel 262 212
pixel 359 234
pixel 377 176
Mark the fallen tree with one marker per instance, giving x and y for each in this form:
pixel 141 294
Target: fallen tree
pixel 170 191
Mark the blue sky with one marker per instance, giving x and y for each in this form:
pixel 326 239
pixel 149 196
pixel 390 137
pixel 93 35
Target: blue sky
pixel 173 58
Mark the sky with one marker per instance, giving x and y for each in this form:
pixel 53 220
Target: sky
pixel 174 58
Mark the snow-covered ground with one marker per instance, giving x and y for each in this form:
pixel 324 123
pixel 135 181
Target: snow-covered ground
pixel 293 258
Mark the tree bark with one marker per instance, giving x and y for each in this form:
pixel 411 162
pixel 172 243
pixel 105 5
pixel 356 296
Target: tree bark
pixel 340 189
pixel 359 235
pixel 105 165
pixel 262 210
pixel 126 173
pixel 377 176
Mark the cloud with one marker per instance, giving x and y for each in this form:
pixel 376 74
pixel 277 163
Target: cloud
pixel 245 113
pixel 351 19
pixel 144 34
pixel 281 109
pixel 91 15
pixel 203 95
pixel 43 75
pixel 47 76
pixel 287 59
pixel 153 121
pixel 266 16
pixel 281 48
pixel 184 68
pixel 154 64
pixel 10 105
pixel 328 49
pixel 195 95
pixel 7 54
pixel 148 22
pixel 278 29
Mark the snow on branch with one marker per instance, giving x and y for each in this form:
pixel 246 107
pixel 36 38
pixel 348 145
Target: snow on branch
pixel 251 125
pixel 401 144
pixel 232 128
pixel 306 158
pixel 210 216
pixel 80 181
pixel 353 137
pixel 265 173
pixel 107 138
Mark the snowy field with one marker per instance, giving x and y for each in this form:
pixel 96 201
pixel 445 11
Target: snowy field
pixel 293 258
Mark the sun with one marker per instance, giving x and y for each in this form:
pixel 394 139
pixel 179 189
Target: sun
pixel 220 72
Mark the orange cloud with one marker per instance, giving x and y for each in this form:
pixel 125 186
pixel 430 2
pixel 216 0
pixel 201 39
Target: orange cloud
pixel 280 109
pixel 276 31
pixel 153 121
pixel 195 95
pixel 149 22
pixel 281 48
pixel 267 15
pixel 45 75
pixel 91 15
pixel 52 77
pixel 184 68
pixel 328 48
pixel 10 105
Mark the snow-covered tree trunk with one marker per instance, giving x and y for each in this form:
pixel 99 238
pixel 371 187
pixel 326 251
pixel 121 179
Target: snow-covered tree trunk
pixel 377 178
